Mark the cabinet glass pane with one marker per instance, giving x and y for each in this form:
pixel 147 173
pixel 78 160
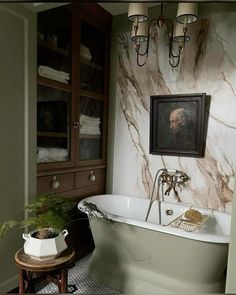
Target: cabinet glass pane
pixel 53 124
pixel 54 45
pixel 90 130
pixel 92 58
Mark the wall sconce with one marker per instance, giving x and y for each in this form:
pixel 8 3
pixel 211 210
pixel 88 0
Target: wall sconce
pixel 141 30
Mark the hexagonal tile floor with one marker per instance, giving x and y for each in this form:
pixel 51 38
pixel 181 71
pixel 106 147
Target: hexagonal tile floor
pixel 78 282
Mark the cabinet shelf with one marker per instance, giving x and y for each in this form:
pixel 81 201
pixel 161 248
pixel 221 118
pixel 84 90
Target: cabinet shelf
pixel 54 84
pixel 90 64
pixel 92 94
pixel 48 45
pixel 51 134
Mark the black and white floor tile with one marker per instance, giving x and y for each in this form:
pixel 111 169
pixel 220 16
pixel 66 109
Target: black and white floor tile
pixel 78 282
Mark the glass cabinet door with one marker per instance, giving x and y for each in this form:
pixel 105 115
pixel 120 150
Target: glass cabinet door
pixel 53 125
pixel 90 128
pixel 92 97
pixel 55 45
pixel 92 58
pixel 54 92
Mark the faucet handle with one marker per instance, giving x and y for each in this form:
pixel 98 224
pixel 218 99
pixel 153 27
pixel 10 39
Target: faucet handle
pixel 169 212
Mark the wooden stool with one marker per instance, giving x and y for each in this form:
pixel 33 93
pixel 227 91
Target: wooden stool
pixel 28 266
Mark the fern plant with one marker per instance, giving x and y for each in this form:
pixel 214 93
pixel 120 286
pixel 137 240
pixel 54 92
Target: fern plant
pixel 46 212
pixel 93 211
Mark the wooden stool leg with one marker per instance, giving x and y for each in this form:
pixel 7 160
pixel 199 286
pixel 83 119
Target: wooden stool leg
pixel 64 280
pixel 21 282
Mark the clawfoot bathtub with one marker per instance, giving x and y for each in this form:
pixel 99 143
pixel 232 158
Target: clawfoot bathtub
pixel 132 255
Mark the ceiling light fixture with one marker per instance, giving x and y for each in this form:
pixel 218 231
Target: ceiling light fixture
pixel 141 30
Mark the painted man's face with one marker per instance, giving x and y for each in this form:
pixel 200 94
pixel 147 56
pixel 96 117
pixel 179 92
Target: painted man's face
pixel 175 121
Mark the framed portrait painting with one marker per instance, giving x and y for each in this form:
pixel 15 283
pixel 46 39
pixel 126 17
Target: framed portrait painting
pixel 177 124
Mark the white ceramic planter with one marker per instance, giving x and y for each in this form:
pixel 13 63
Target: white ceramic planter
pixel 44 249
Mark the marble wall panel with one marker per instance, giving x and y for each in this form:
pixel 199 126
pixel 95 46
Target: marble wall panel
pixel 208 65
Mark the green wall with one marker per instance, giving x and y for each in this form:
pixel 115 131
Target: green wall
pixel 17 128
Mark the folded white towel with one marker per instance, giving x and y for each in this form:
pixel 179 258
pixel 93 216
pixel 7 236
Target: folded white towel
pixel 56 78
pixel 89 121
pixel 89 130
pixel 50 73
pixel 89 118
pixel 46 69
pixel 51 154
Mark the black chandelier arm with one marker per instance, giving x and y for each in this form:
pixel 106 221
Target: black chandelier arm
pixel 142 47
pixel 138 48
pixel 176 64
pixel 168 23
pixel 138 62
pixel 151 26
pixel 171 51
pixel 137 44
pixel 174 57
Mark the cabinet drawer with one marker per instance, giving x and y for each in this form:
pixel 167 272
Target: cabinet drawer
pixel 55 183
pixel 89 177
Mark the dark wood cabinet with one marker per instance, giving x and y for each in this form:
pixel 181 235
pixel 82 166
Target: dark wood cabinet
pixel 57 183
pixel 72 106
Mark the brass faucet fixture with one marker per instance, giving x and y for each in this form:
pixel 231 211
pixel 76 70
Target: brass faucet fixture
pixel 173 179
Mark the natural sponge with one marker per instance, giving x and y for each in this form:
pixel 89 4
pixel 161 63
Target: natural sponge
pixel 193 216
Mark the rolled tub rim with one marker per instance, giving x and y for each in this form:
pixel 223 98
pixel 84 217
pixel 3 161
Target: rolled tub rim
pixel 199 236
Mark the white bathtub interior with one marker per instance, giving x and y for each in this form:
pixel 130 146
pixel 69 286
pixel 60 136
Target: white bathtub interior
pixel 132 210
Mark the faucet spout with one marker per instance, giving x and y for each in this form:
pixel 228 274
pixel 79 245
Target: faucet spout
pixel 152 194
pixel 172 178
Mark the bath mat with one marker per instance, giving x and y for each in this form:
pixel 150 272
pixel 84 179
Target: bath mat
pixel 78 282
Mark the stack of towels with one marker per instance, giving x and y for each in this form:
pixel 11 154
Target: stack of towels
pixel 51 154
pixel 53 74
pixel 89 125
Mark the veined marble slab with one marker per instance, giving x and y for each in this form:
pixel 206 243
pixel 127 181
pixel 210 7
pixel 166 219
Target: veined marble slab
pixel 208 65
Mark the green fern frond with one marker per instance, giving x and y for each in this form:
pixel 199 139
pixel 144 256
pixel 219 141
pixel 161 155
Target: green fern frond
pixel 46 211
pixel 93 211
pixel 6 226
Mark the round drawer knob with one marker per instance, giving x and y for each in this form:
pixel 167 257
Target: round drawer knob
pixel 92 177
pixel 55 184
